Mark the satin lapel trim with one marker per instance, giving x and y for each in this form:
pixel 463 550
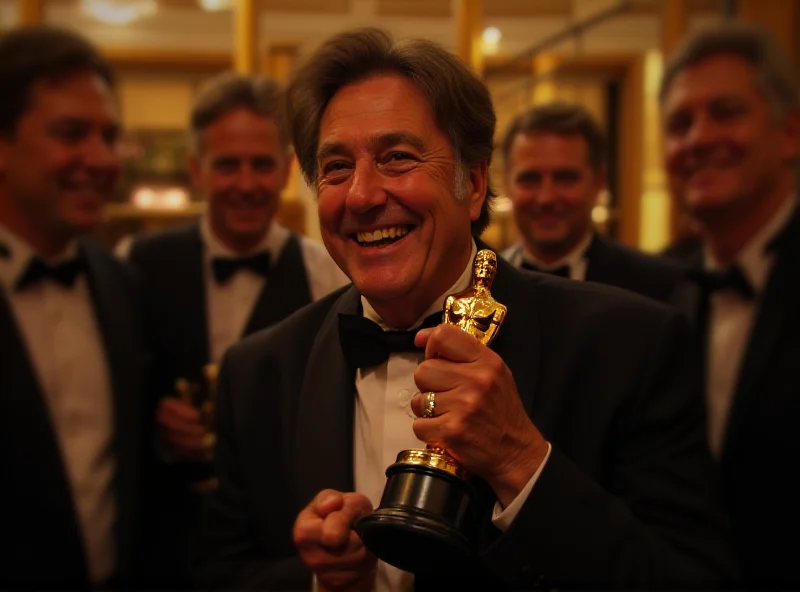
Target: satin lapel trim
pixel 767 327
pixel 518 341
pixel 117 333
pixel 192 285
pixel 324 427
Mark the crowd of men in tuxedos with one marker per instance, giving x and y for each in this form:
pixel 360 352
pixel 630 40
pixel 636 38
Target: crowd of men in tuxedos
pixel 632 426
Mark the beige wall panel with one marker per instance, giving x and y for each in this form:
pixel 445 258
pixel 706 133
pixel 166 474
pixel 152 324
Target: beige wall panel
pixel 155 103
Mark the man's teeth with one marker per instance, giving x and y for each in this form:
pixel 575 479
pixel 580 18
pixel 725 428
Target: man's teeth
pixel 383 233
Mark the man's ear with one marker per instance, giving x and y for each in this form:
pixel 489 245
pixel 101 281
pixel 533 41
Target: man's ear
pixel 477 184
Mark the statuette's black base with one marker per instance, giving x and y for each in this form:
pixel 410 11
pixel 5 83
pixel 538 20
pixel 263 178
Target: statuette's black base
pixel 418 526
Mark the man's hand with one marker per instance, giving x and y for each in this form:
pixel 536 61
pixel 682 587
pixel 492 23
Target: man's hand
pixel 180 430
pixel 328 545
pixel 479 417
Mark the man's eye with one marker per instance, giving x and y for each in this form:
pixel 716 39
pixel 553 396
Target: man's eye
pixel 333 166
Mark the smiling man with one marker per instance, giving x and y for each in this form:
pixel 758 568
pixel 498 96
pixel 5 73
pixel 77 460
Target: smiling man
pixel 232 273
pixel 74 365
pixel 731 110
pixel 598 478
pixel 555 169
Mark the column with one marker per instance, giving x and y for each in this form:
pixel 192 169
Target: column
pixel 545 87
pixel 469 29
pixel 245 35
pixel 659 221
pixel 30 12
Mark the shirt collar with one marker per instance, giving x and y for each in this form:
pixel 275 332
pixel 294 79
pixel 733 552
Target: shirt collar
pixel 571 259
pixel 754 259
pixel 20 254
pixel 272 242
pixel 462 283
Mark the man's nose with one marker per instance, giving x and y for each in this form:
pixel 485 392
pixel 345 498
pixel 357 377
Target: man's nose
pixel 366 188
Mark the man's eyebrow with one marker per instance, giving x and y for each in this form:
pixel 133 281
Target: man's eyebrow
pixel 378 143
pixel 383 141
pixel 330 148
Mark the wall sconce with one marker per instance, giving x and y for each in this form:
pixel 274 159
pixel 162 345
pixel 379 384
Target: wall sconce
pixel 216 5
pixel 119 12
pixel 160 198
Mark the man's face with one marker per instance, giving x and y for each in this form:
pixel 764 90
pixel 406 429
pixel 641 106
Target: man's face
pixel 61 163
pixel 241 169
pixel 724 147
pixel 553 188
pixel 387 201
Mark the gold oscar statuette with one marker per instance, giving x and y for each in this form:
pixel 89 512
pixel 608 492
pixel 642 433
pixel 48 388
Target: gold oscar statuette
pixel 421 522
pixel 203 396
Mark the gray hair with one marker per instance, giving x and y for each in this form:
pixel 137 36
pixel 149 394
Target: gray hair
pixel 771 66
pixel 228 92
pixel 460 102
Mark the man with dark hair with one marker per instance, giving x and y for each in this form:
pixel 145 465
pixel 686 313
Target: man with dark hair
pixel 578 426
pixel 555 159
pixel 74 421
pixel 240 271
pixel 731 117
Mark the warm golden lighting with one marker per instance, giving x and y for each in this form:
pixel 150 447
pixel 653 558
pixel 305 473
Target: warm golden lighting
pixel 160 198
pixel 119 12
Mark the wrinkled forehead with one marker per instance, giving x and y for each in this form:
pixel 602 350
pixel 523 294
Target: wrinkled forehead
pixel 712 78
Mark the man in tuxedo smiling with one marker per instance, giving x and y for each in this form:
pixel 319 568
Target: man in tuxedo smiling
pixel 731 116
pixel 74 415
pixel 555 169
pixel 579 425
pixel 240 271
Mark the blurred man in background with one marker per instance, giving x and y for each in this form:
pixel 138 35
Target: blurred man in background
pixel 234 272
pixel 74 421
pixel 730 104
pixel 555 160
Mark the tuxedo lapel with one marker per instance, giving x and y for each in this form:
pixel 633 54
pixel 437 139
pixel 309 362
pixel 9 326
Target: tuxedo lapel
pixel 599 261
pixel 285 291
pixel 125 365
pixel 323 437
pixel 780 294
pixel 688 297
pixel 190 286
pixel 517 342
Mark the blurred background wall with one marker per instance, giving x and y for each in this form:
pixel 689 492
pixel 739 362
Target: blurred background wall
pixel 605 54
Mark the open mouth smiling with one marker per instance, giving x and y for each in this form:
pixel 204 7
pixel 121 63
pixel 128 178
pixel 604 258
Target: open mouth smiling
pixel 382 236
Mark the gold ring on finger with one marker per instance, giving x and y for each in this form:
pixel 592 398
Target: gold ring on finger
pixel 429 410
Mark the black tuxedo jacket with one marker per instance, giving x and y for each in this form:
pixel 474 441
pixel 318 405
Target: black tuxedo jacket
pixel 625 500
pixel 762 442
pixel 172 267
pixel 617 265
pixel 38 519
pixel 611 263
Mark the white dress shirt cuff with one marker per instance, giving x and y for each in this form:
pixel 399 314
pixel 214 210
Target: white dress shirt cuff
pixel 502 518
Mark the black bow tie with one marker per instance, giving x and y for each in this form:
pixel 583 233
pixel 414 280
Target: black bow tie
pixel 731 279
pixel 225 267
pixel 64 273
pixel 562 271
pixel 365 344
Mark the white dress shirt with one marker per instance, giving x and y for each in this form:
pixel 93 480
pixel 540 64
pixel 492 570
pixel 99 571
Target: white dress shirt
pixel 230 305
pixel 575 259
pixel 730 322
pixel 63 341
pixel 383 428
